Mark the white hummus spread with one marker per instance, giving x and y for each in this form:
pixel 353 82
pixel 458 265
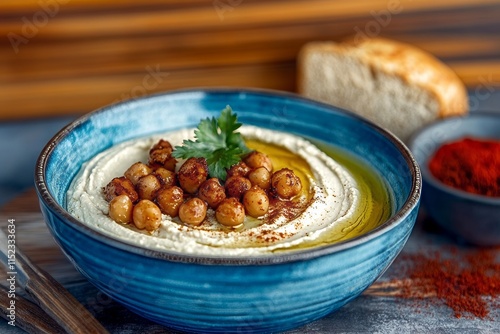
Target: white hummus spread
pixel 332 211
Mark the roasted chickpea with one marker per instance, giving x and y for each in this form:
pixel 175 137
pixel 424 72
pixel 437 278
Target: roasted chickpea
pixel 256 202
pixel 192 174
pixel 193 211
pixel 161 155
pixel 136 171
pixel 260 177
pixel 230 212
pixel 169 199
pixel 162 144
pixel 236 186
pixel 239 169
pixel 120 186
pixel 285 183
pixel 120 209
pixel 170 164
pixel 146 215
pixel 212 192
pixel 258 159
pixel 147 186
pixel 166 177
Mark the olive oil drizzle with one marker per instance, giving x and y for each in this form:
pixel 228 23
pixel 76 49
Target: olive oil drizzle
pixel 375 205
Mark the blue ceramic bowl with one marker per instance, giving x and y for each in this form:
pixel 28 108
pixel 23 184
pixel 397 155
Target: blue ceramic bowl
pixel 234 294
pixel 469 217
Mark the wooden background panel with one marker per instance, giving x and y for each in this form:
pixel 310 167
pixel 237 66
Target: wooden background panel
pixel 65 57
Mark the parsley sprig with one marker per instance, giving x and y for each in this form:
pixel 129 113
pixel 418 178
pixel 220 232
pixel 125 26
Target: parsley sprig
pixel 217 142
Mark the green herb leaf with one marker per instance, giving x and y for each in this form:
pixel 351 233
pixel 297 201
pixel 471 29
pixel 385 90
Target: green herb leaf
pixel 217 142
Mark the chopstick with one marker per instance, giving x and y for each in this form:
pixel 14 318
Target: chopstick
pixel 29 316
pixel 49 294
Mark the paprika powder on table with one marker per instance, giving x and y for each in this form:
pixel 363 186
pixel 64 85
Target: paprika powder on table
pixel 465 280
pixel 469 164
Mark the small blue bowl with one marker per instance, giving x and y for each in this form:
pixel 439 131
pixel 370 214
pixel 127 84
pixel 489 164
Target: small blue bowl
pixel 229 294
pixel 472 218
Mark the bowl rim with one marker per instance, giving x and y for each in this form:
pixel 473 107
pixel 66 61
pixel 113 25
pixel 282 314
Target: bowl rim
pixel 411 203
pixel 427 176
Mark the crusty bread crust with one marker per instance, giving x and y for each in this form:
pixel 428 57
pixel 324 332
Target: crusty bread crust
pixel 411 64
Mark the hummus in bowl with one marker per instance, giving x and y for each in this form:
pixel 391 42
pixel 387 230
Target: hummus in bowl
pixel 334 204
pixel 361 184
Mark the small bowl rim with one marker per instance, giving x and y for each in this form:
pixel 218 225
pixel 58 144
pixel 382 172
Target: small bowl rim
pixel 411 202
pixel 434 181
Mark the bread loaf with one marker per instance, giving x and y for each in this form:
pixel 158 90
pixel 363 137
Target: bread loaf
pixel 396 85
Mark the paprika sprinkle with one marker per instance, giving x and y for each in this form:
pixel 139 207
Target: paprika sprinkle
pixel 469 164
pixel 466 282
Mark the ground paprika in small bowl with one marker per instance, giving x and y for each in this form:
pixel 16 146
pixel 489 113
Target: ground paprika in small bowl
pixel 469 164
pixel 460 162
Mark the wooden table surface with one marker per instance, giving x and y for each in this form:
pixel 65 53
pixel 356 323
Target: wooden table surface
pixel 377 310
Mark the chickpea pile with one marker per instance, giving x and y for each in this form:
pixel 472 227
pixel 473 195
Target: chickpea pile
pixel 146 191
